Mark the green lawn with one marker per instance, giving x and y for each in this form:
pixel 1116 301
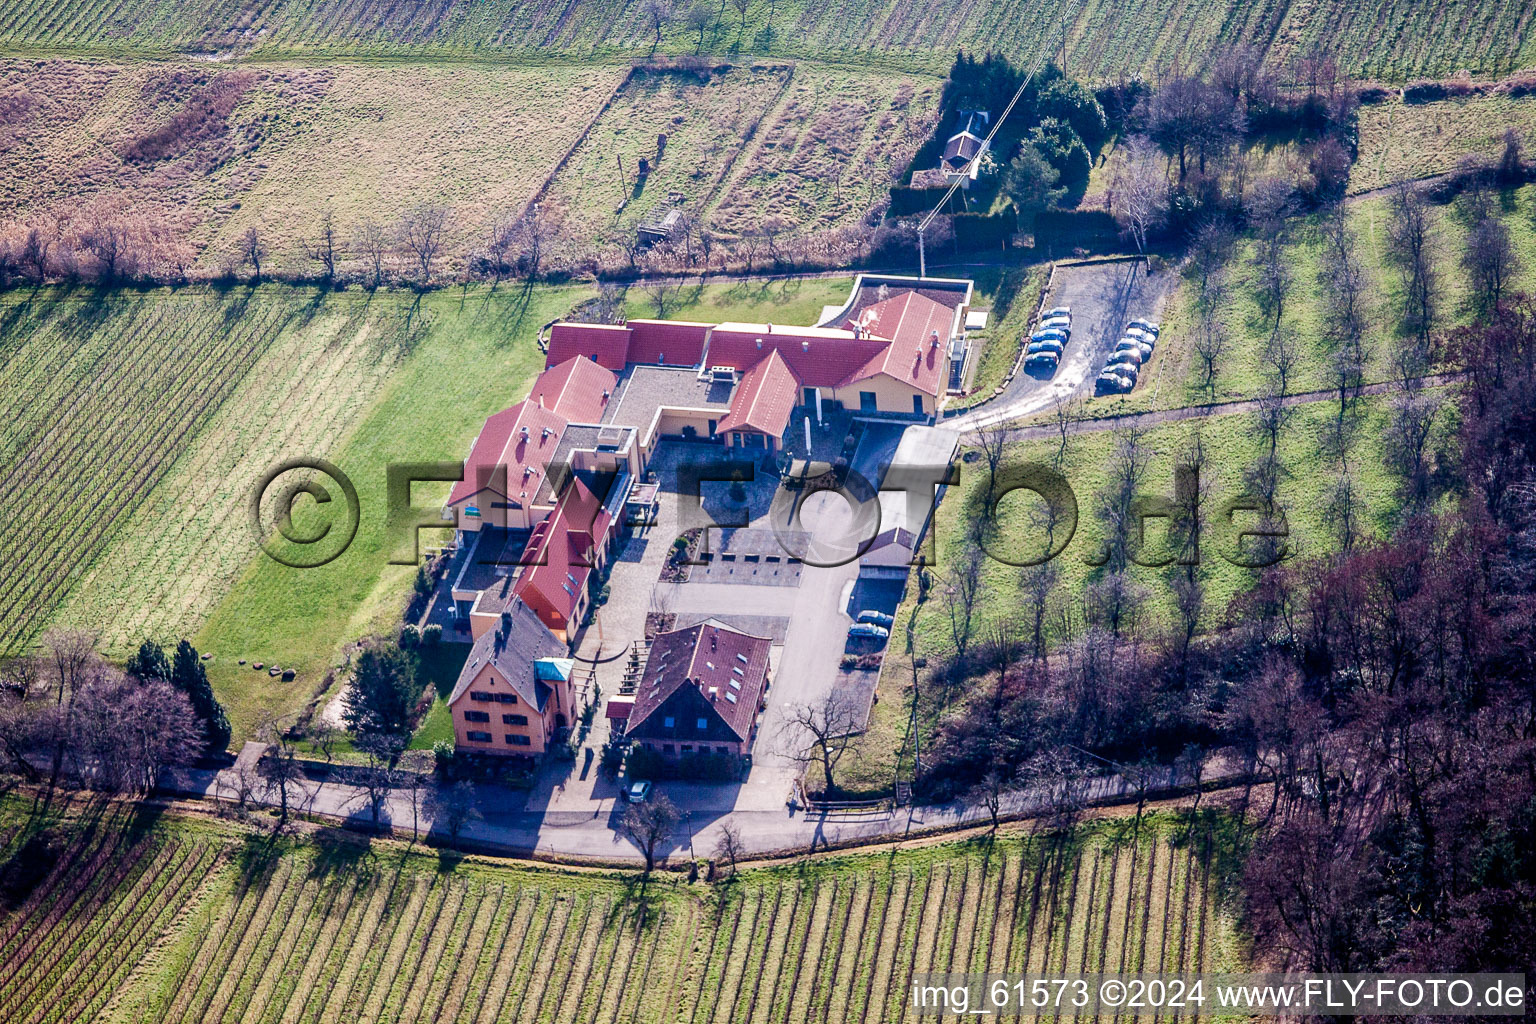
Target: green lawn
pixel 436 727
pixel 797 301
pixel 1172 378
pixel 1232 444
pixel 472 354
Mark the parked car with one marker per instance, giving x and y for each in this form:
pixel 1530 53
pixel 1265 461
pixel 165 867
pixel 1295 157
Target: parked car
pixel 1046 361
pixel 639 791
pixel 1125 370
pixel 1129 355
pixel 1111 384
pixel 1064 322
pixel 1141 334
pixel 1048 345
pixel 1057 311
pixel 876 618
pixel 1051 332
pixel 868 631
pixel 1146 325
pixel 1125 343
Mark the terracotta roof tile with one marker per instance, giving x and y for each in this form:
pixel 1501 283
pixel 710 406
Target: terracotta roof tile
pixel 764 398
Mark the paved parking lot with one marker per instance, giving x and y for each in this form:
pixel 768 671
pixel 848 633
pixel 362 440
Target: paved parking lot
pixel 1104 298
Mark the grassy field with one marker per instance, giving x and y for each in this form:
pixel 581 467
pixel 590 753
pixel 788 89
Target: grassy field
pixel 1394 40
pixel 1172 378
pixel 783 301
pixel 1232 444
pixel 1415 140
pixel 144 421
pixel 196 922
pixel 472 354
pixel 291 142
pixel 710 121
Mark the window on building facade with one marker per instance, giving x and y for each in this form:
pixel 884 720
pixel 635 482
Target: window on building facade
pixel 514 719
pixel 477 716
pixel 518 740
pixel 477 737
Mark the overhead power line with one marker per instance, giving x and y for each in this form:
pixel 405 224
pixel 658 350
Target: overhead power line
pixel 986 144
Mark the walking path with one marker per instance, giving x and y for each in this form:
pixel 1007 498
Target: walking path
pixel 1156 417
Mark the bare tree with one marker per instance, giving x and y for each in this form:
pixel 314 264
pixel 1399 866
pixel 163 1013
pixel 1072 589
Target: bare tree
pixel 820 734
pixel 421 232
pixel 36 249
pixel 1140 192
pixel 1489 258
pixel 1411 249
pixel 281 770
pixel 1273 414
pixel 108 241
pixel 961 592
pixel 1282 354
pixel 252 251
pixel 648 825
pixel 660 12
pixel 1409 427
pixel 1210 344
pixel 323 249
pixel 989 792
pixel 728 846
pixel 71 656
pixel 1341 513
pixel 453 807
pixel 1039 584
pixel 698 18
pixel 376 779
pixel 123 731
pixel 1066 411
pixel 373 242
pixel 660 291
pixel 993 442
pixel 741 9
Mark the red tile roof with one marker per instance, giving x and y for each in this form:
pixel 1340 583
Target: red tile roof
pixel 819 357
pixel 557 558
pixel 764 399
pixel 577 389
pixel 605 344
pixel 672 342
pixel 911 321
pixel 709 656
pixel 502 443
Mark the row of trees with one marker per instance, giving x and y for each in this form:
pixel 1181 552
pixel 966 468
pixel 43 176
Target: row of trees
pixel 423 248
pixel 1381 695
pixel 69 718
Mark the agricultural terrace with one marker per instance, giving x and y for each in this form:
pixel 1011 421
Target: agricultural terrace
pixel 193 155
pixel 1306 490
pixel 1174 378
pixel 829 152
pixel 1396 40
pixel 175 921
pixel 1399 141
pixel 710 119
